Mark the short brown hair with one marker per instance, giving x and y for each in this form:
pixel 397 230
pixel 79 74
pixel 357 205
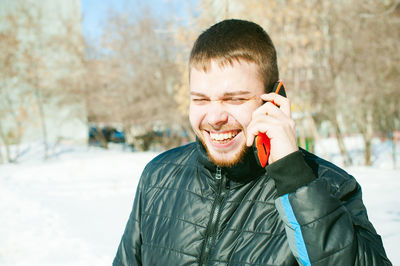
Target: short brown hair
pixel 237 40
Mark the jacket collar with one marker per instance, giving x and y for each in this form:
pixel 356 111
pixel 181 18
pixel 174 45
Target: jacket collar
pixel 245 171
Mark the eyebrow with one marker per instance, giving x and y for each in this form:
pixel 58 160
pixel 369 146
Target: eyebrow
pixel 234 93
pixel 193 93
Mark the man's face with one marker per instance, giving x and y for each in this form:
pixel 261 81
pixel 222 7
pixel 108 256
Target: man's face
pixel 222 102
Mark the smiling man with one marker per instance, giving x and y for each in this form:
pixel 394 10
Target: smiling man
pixel 211 203
pixel 222 101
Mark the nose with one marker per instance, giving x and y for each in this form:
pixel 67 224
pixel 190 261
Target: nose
pixel 217 115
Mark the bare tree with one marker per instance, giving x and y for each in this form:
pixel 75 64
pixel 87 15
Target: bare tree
pixel 136 73
pixel 33 63
pixel 15 96
pixel 375 51
pixel 333 56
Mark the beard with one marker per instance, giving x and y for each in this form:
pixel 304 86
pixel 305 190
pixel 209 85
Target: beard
pixel 225 159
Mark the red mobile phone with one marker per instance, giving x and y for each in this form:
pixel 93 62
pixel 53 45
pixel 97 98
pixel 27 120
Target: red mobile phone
pixel 262 144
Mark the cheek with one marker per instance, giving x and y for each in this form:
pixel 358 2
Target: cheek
pixel 194 117
pixel 243 116
pixel 244 120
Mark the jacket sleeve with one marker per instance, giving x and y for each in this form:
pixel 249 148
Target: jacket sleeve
pixel 325 219
pixel 129 250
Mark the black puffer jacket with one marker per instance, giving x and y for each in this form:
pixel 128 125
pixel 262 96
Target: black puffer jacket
pixel 188 211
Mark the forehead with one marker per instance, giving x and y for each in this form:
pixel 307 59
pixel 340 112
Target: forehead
pixel 220 79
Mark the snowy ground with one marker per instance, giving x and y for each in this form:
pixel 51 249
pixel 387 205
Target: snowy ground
pixel 72 208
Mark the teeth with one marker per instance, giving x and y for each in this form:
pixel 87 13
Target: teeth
pixel 223 136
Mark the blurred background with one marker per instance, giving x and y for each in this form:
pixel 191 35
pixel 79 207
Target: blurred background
pixel 91 90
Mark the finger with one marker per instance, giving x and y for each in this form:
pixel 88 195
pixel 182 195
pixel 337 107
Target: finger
pixel 260 125
pixel 261 117
pixel 253 132
pixel 268 125
pixel 269 109
pixel 264 125
pixel 250 139
pixel 282 102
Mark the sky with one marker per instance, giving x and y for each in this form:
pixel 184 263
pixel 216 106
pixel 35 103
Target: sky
pixel 94 12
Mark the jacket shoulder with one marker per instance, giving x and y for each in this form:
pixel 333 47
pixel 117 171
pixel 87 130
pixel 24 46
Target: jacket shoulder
pixel 173 160
pixel 337 177
pixel 176 156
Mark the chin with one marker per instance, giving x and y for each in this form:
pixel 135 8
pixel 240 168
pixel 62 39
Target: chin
pixel 225 159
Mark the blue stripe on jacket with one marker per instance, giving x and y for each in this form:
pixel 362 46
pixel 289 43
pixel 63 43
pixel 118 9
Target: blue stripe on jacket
pixel 291 218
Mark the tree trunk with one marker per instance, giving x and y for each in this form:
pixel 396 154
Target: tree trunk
pixel 314 130
pixel 6 146
pixel 367 151
pixel 42 122
pixel 368 134
pixel 394 146
pixel 343 151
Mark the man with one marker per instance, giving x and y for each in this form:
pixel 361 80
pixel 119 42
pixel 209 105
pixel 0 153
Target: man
pixel 210 203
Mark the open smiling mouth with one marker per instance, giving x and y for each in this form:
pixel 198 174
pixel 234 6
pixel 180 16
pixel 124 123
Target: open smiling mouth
pixel 223 137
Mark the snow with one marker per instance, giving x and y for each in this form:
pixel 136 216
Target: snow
pixel 68 210
pixel 380 188
pixel 72 208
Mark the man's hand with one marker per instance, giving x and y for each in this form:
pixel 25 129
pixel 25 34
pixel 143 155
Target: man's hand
pixel 277 123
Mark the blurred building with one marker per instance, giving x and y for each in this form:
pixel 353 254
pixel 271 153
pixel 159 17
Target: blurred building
pixel 46 66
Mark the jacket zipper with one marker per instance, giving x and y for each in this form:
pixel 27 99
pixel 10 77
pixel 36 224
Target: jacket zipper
pixel 212 229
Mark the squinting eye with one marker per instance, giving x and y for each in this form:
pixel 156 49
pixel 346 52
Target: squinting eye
pixel 200 101
pixel 235 100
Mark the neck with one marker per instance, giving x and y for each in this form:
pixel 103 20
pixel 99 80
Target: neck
pixel 246 170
